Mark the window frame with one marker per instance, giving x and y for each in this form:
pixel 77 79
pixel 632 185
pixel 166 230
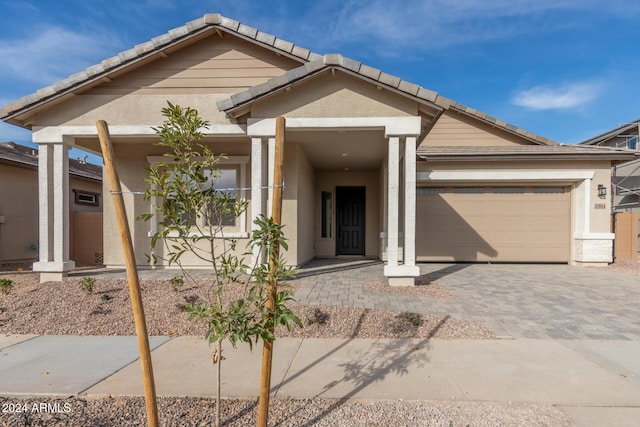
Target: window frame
pixel 239 230
pixel 79 193
pixel 326 218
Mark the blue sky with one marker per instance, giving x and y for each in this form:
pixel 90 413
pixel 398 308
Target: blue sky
pixel 564 69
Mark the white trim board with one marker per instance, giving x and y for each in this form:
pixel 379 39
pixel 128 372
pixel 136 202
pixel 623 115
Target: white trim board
pixel 393 126
pixel 58 134
pixel 538 175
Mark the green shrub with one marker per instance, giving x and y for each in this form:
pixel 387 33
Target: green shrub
pixel 176 283
pixel 5 286
pixel 86 284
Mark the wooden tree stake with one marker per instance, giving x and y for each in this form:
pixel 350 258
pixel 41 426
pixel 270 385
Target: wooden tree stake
pixel 276 214
pixel 132 274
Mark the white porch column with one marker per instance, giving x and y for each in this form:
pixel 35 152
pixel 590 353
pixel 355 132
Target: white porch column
pixel 53 189
pixel 402 274
pixel 260 131
pixel 409 254
pixel 257 182
pixel 45 197
pixel 392 204
pixel 271 160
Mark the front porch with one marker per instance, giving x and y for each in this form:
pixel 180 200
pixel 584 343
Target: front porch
pixel 323 156
pixel 354 188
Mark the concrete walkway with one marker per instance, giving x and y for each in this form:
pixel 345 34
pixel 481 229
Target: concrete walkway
pixel 588 380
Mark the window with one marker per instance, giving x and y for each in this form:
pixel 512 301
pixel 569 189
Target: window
pixel 468 190
pixel 326 213
pixel 226 184
pixel 230 182
pixel 86 198
pixel 548 190
pixel 629 142
pixel 508 190
pixel 430 190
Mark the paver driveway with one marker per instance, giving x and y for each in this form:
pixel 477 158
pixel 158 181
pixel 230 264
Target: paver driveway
pixel 521 301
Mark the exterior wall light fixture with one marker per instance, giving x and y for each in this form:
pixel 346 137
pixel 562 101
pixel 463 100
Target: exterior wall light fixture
pixel 602 191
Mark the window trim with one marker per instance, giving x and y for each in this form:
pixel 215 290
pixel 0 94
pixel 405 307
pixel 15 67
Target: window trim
pixel 240 232
pixel 79 193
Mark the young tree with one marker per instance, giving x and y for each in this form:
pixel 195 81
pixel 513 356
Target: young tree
pixel 192 213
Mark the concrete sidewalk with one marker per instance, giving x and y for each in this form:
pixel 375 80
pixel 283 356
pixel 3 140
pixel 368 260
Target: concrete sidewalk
pixel 591 381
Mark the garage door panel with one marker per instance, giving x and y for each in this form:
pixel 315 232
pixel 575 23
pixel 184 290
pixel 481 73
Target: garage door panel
pixel 500 224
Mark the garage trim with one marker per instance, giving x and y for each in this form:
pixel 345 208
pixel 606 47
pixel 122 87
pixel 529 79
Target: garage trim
pixel 581 197
pixel 538 175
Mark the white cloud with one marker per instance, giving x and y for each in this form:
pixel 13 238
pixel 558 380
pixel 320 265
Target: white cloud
pixel 52 54
pixel 428 24
pixel 560 97
pixel 388 27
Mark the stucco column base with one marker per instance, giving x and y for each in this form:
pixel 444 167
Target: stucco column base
pixel 52 277
pixel 53 271
pixel 593 249
pixel 401 275
pixel 402 281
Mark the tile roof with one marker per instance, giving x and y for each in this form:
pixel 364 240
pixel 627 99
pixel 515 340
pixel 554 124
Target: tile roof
pixel 11 152
pixel 406 88
pixel 481 153
pixel 313 63
pixel 635 125
pixel 156 44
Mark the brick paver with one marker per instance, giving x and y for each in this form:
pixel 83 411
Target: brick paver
pixel 518 300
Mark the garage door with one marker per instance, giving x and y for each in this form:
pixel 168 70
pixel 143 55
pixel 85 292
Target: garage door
pixel 501 224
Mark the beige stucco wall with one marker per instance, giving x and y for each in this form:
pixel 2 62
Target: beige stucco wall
pixel 19 206
pixel 326 181
pixel 339 95
pixel 297 201
pixel 601 207
pixel 306 211
pixel 84 185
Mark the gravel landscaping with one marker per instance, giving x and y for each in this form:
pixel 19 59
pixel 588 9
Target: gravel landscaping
pixel 64 308
pixel 130 411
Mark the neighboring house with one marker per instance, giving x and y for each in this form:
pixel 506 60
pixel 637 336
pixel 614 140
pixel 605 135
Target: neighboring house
pixel 625 178
pixel 19 218
pixel 374 166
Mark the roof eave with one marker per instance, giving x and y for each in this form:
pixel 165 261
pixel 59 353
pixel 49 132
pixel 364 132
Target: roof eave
pixel 18 163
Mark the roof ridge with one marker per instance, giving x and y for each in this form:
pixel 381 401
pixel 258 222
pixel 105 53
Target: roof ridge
pixel 155 44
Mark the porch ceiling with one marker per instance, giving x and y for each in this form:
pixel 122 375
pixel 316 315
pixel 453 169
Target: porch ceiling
pixel 339 151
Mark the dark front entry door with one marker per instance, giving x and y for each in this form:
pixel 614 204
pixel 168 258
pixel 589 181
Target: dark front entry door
pixel 350 215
